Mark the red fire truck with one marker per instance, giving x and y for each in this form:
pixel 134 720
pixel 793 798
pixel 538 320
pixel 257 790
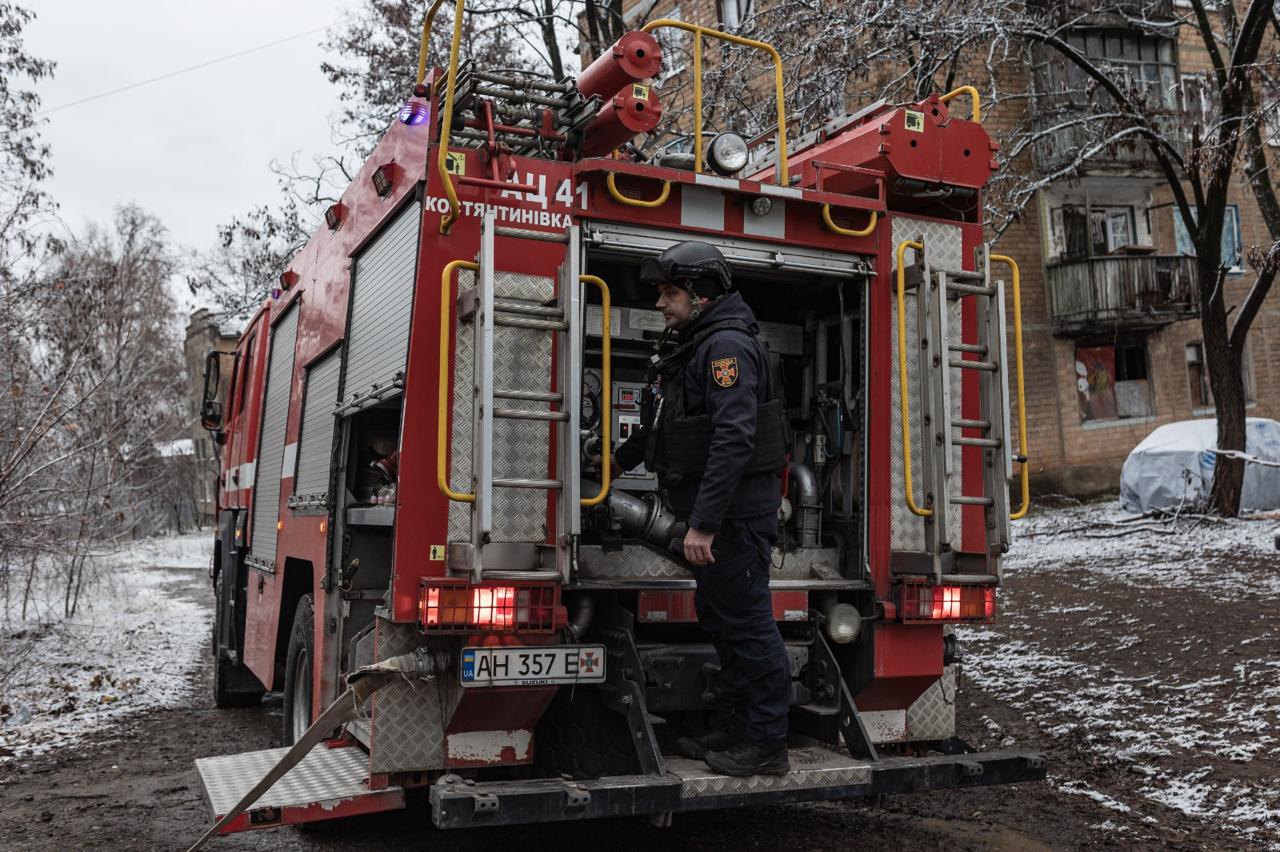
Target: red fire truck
pixel 405 487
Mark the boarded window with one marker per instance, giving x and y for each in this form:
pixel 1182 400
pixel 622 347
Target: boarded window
pixel 1112 382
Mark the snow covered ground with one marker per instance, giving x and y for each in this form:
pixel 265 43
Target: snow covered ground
pixel 133 645
pixel 1149 648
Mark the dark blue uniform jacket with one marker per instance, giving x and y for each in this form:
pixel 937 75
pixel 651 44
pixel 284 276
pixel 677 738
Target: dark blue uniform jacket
pixel 726 379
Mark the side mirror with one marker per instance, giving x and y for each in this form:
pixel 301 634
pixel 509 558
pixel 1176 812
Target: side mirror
pixel 210 408
pixel 211 415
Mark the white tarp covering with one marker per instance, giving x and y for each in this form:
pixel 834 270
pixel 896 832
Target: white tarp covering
pixel 1174 466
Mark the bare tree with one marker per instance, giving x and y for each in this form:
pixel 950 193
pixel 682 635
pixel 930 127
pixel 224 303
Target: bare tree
pixel 252 251
pixel 24 156
pixel 92 366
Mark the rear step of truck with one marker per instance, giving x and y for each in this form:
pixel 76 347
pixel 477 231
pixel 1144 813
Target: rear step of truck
pixel 817 773
pixel 330 783
pixel 326 784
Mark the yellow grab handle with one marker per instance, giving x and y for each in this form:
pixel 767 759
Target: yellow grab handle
pixel 848 232
pixel 442 158
pixel 902 377
pixel 611 181
pixel 1022 405
pixel 606 382
pixel 426 41
pixel 698 33
pixel 442 389
pixel 972 92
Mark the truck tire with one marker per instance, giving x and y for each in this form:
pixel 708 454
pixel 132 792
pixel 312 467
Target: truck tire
pixel 233 684
pixel 298 668
pixel 580 737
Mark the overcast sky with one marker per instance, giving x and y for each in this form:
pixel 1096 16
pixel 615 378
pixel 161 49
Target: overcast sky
pixel 195 149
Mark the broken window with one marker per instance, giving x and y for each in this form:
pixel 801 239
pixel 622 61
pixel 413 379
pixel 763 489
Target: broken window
pixel 1113 382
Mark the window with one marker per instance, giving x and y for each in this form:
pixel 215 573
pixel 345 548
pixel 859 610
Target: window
pixel 1197 103
pixel 675 44
pixel 734 12
pixel 1232 243
pixel 1145 62
pixel 1198 376
pixel 1103 230
pixel 1113 382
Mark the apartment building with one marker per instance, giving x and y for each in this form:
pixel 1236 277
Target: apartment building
pixel 1109 289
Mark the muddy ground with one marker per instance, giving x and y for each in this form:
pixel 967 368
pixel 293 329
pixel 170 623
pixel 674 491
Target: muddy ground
pixel 134 786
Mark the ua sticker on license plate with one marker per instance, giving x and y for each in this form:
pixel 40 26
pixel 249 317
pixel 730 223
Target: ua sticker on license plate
pixel 532 666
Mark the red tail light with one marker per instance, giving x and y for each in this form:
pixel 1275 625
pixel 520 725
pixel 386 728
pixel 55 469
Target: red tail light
pixel 920 602
pixel 457 606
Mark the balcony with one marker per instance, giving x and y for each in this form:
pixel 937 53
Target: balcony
pixel 1121 292
pixel 1060 148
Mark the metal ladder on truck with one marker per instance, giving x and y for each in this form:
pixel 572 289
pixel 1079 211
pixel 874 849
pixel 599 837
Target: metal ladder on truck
pixel 944 357
pixel 485 556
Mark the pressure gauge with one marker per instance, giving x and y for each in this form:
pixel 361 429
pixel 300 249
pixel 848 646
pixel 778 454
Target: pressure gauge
pixel 591 390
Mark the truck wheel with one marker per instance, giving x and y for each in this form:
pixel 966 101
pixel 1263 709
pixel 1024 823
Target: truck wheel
pixel 233 684
pixel 298 671
pixel 580 737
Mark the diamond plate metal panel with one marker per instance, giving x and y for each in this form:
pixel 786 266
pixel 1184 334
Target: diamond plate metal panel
pixel 409 716
pixel 811 768
pixel 521 448
pixel 933 715
pixel 275 417
pixel 946 251
pixel 634 562
pixel 325 775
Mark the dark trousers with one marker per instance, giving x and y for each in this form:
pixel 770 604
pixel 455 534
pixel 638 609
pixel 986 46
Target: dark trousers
pixel 734 605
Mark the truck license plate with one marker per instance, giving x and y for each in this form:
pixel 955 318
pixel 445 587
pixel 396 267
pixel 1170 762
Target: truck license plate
pixel 526 666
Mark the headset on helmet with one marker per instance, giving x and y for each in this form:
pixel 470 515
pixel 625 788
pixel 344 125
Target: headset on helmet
pixel 696 266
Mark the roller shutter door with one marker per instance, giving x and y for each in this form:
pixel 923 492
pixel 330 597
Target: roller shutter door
pixel 315 446
pixel 381 303
pixel 271 449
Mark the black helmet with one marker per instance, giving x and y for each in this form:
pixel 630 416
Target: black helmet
pixel 698 267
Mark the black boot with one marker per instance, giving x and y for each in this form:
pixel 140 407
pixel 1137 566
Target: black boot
pixel 719 738
pixel 748 758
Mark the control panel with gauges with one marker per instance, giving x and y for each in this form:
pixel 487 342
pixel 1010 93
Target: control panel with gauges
pixel 626 422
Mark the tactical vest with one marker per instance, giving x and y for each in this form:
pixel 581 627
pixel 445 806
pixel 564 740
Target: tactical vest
pixel 679 444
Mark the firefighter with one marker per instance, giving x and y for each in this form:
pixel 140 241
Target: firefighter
pixel 714 432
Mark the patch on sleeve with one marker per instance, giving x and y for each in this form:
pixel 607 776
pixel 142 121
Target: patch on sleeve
pixel 724 371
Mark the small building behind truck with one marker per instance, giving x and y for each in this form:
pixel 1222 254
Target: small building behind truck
pixel 409 420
